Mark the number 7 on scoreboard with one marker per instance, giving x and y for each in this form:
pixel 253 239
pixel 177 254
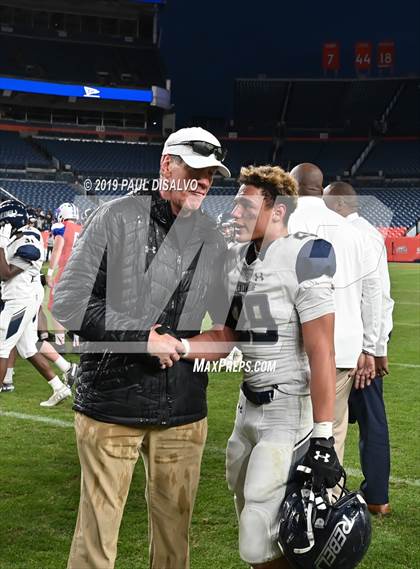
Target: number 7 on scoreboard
pixel 331 56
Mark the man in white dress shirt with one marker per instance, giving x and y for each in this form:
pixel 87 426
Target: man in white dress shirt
pixel 357 292
pixel 367 406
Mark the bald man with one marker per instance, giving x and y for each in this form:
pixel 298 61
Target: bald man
pixel 310 180
pixel 357 316
pixel 367 406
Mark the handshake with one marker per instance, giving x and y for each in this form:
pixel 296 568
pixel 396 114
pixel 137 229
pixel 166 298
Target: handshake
pixel 165 345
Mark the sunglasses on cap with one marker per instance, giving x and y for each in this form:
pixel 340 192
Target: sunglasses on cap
pixel 204 148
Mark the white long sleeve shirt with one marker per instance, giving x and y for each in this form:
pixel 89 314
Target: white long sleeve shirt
pixel 358 294
pixel 375 240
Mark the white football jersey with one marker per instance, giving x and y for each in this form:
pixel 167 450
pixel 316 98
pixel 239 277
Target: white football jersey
pixel 288 284
pixel 26 251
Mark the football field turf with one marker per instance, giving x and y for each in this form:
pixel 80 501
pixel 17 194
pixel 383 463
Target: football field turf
pixel 39 468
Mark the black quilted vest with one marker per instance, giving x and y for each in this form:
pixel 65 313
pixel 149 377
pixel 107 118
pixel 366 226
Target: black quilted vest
pixel 131 388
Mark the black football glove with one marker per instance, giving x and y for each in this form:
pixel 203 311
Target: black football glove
pixel 325 467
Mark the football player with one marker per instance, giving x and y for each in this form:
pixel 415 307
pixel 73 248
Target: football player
pixel 65 233
pixel 69 369
pixel 21 254
pixel 283 312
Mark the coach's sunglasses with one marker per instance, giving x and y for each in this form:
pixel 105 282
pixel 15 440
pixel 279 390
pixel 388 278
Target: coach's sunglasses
pixel 204 148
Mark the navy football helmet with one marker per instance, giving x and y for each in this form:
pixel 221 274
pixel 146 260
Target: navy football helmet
pixel 315 533
pixel 13 212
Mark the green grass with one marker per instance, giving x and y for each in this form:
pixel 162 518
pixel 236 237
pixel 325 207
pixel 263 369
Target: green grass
pixel 40 471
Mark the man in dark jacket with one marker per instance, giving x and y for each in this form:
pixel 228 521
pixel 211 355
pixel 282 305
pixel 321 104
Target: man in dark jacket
pixel 132 270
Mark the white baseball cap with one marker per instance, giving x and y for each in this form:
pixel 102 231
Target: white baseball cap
pixel 186 144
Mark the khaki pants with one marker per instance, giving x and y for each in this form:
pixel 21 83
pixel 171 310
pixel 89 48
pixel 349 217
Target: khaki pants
pixel 341 421
pixel 108 454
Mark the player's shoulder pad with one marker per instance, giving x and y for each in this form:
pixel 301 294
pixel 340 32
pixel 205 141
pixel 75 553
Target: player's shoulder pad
pixel 28 252
pixel 315 258
pixel 58 229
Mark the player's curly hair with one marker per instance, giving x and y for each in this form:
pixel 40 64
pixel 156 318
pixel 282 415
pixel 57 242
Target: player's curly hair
pixel 275 184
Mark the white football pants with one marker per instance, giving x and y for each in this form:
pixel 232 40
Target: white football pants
pixel 266 444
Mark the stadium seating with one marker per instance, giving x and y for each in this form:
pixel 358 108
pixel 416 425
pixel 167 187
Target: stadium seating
pixel 258 105
pixel 392 232
pixel 314 104
pixel 303 106
pixel 405 116
pixel 18 153
pixel 47 195
pixel 133 159
pixel 403 203
pixel 333 157
pixel 394 208
pixel 393 158
pixel 243 153
pixel 365 101
pixel 105 158
pixel 219 200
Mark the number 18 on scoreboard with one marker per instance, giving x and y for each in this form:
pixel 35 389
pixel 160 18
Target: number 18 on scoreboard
pixel 386 55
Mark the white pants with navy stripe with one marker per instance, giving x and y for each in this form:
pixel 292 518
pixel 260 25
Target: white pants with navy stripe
pixel 266 444
pixel 18 326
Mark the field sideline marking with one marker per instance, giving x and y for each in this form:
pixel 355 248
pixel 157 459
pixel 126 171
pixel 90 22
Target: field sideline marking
pixel 403 365
pixel 392 479
pixel 352 471
pixel 37 419
pixel 407 324
pixel 209 448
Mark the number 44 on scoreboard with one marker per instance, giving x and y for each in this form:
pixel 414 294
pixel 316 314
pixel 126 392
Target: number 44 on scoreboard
pixel 363 56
